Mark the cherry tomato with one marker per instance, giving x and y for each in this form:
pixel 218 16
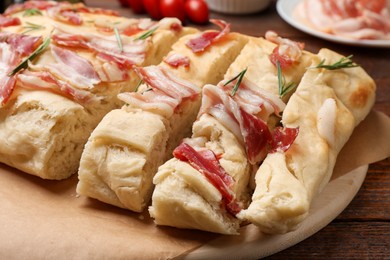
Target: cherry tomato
pixel 153 8
pixel 173 8
pixel 137 6
pixel 124 3
pixel 197 11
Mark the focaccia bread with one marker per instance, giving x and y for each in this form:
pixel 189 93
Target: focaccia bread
pixel 124 151
pixel 50 105
pixel 326 107
pixel 207 183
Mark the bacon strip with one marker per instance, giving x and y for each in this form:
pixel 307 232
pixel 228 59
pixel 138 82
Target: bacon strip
pixel 176 60
pixel 41 5
pixel 43 80
pixel 207 163
pixel 77 64
pixel 13 47
pixel 166 94
pixel 133 52
pixel 283 138
pixel 9 21
pixel 159 78
pixel 204 40
pixel 287 52
pixel 45 5
pixel 249 129
pixel 24 45
pixel 153 101
pixel 354 19
pixel 255 100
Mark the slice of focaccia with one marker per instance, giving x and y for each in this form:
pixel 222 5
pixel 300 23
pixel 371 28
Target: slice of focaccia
pixel 124 151
pixel 206 184
pixel 62 69
pixel 326 107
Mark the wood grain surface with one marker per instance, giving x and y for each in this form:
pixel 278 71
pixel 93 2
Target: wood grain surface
pixel 362 231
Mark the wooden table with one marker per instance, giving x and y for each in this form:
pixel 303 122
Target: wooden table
pixel 362 231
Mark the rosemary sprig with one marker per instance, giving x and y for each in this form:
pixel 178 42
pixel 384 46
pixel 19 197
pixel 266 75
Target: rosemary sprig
pixel 344 62
pixel 118 39
pixel 239 78
pixel 283 88
pixel 32 27
pixel 147 34
pixel 24 63
pixel 32 12
pixel 147 90
pixel 139 84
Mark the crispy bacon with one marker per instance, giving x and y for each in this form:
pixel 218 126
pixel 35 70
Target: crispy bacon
pixel 133 52
pixel 204 40
pixel 287 52
pixel 176 60
pixel 6 21
pixel 159 78
pixel 206 163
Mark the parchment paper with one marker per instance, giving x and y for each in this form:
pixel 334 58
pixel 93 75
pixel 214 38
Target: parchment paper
pixel 43 219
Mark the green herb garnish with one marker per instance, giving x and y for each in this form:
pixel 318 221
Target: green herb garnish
pixel 147 90
pixel 344 62
pixel 31 12
pixel 146 34
pixel 118 39
pixel 239 78
pixel 32 27
pixel 24 63
pixel 139 84
pixel 283 88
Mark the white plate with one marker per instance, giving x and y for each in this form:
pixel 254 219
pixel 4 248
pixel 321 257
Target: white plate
pixel 251 244
pixel 286 8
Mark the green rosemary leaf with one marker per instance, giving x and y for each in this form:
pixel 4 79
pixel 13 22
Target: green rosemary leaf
pixel 239 78
pixel 148 89
pixel 31 12
pixel 32 27
pixel 146 34
pixel 24 63
pixel 118 39
pixel 139 84
pixel 344 62
pixel 283 89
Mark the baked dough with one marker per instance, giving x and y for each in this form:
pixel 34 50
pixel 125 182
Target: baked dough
pixel 184 197
pixel 48 131
pixel 326 107
pixel 120 171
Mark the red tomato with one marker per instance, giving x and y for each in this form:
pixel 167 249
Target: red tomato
pixel 137 6
pixel 124 3
pixel 173 8
pixel 197 11
pixel 153 8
